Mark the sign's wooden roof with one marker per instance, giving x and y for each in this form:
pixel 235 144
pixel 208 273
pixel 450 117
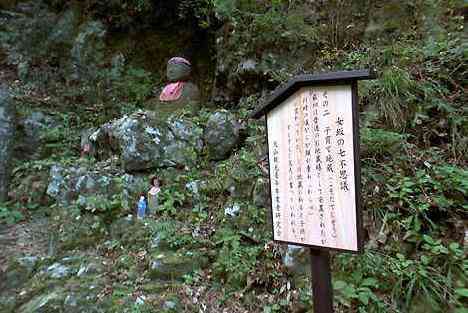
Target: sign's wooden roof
pixel 283 92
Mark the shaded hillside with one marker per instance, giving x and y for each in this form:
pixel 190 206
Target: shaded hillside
pixel 81 81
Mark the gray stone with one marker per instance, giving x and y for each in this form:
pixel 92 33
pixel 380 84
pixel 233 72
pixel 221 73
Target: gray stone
pixel 90 267
pixel 195 188
pixel 190 95
pixel 171 305
pixel 170 265
pixel 71 301
pixel 58 271
pixel 232 210
pixel 66 27
pixel 37 121
pixel 221 135
pixel 19 271
pixel 117 66
pixel 28 30
pixel 23 69
pixel 7 134
pixel 247 66
pixel 296 261
pixel 30 133
pixel 82 185
pixel 142 141
pixel 187 131
pixel 49 302
pixel 177 71
pixel 29 263
pixel 137 138
pixel 7 303
pixel 88 50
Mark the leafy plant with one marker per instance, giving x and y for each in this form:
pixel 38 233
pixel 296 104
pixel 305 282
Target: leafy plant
pixel 9 215
pixel 381 142
pixel 135 86
pixel 235 260
pixel 171 199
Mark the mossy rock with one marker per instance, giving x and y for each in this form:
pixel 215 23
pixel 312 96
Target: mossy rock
pixel 82 233
pixel 170 265
pixel 7 303
pixel 19 271
pixel 45 303
pixel 159 287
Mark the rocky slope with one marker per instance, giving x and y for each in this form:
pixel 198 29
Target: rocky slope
pixel 88 132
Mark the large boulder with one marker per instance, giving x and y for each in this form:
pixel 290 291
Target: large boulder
pixel 96 188
pixel 7 134
pixel 142 141
pixel 221 134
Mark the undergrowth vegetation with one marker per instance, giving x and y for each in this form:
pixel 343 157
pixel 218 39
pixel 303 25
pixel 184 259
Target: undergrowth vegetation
pixel 414 130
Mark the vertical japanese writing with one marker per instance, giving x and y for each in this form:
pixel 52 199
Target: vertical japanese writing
pixel 308 164
pixel 299 140
pixel 276 190
pixel 329 164
pixel 340 141
pixel 291 194
pixel 318 165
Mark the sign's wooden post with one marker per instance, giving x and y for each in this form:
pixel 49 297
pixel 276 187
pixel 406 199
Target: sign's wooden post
pixel 313 146
pixel 321 281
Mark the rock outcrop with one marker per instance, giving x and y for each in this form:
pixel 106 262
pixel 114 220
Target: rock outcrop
pixel 221 134
pixel 30 134
pixel 142 141
pixel 94 188
pixel 88 50
pixel 7 134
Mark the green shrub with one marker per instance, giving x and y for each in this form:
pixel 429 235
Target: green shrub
pixel 9 215
pixel 382 142
pixel 235 260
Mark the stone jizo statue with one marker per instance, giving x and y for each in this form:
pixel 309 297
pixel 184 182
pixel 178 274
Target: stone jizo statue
pixel 180 89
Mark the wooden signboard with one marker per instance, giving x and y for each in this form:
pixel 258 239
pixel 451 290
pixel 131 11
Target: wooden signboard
pixel 312 165
pixel 313 147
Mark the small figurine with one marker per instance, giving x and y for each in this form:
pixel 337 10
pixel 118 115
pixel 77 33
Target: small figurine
pixel 142 205
pixel 180 89
pixel 153 195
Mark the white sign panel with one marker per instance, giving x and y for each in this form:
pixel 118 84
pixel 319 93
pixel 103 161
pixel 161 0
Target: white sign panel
pixel 311 159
